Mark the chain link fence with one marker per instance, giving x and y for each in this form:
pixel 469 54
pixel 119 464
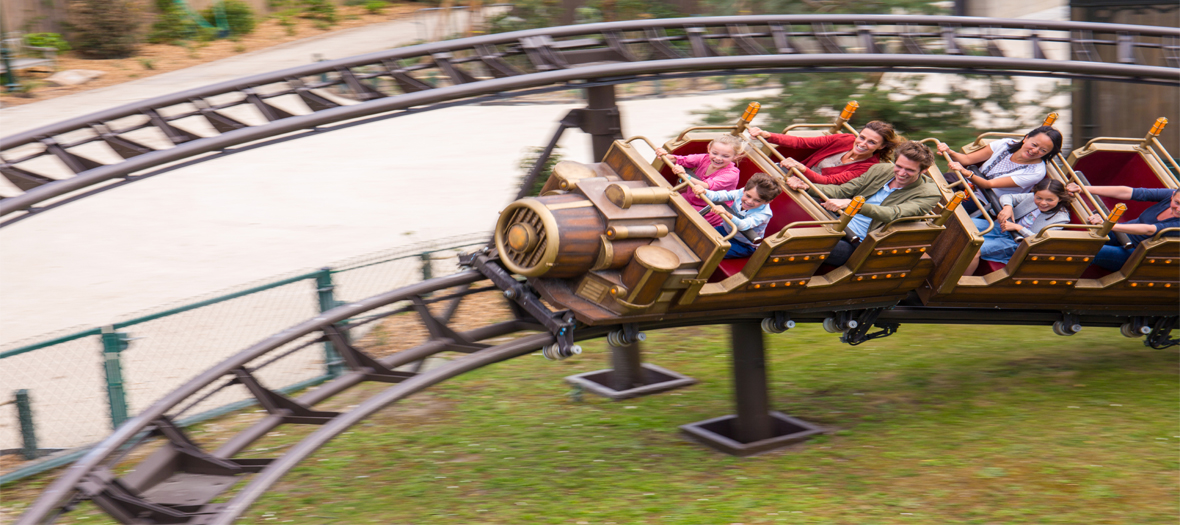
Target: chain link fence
pixel 67 391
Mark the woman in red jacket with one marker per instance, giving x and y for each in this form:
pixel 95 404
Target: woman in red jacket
pixel 839 157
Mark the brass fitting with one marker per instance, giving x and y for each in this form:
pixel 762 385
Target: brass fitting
pixel 845 116
pixel 646 231
pixel 626 196
pixel 1156 129
pixel 949 209
pixel 1049 120
pixel 1115 214
pixel 747 117
pixel 850 212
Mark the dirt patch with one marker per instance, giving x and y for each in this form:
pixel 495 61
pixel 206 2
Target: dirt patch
pixel 404 331
pixel 154 59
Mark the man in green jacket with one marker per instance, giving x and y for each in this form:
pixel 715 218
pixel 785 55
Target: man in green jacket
pixel 891 191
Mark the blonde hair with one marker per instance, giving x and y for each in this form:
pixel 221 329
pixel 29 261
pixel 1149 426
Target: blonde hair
pixel 740 147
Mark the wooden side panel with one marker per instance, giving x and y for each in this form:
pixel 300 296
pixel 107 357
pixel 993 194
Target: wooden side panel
pixel 952 251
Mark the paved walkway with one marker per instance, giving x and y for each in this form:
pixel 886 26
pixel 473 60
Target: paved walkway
pixel 296 205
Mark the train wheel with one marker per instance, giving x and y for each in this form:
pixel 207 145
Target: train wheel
pixel 1128 330
pixel 1060 328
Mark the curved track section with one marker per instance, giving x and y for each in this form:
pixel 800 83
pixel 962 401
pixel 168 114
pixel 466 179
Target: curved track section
pixel 79 157
pixel 176 482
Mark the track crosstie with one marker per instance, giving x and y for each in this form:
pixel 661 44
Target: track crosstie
pixel 156 135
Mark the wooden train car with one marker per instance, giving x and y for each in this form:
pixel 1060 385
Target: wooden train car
pixel 615 242
pixel 1053 270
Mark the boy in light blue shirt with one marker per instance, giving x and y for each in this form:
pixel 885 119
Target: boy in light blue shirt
pixel 751 210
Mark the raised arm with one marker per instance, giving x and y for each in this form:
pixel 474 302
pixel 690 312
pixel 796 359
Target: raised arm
pixel 974 157
pixel 792 141
pixel 1122 193
pixel 1135 229
pixel 1002 182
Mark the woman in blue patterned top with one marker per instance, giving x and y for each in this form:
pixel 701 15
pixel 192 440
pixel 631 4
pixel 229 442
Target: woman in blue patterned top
pixel 1165 213
pixel 1009 165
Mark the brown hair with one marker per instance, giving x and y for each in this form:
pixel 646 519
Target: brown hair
pixel 917 152
pixel 890 139
pixel 766 187
pixel 1056 188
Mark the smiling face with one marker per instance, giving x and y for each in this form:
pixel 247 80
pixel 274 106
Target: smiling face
pixel 751 200
pixel 720 154
pixel 1175 204
pixel 1034 148
pixel 1046 200
pixel 905 171
pixel 867 142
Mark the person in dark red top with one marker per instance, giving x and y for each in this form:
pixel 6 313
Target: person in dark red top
pixel 839 157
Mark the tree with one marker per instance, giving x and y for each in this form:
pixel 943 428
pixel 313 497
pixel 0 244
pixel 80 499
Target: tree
pixel 973 105
pixel 104 28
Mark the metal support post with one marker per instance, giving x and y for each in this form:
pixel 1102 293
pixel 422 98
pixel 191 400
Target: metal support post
pixel 113 344
pixel 749 383
pixel 427 271
pixel 9 76
pixel 602 122
pixel 627 366
pixel 334 365
pixel 28 432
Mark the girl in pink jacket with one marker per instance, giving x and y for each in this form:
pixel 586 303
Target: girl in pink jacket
pixel 717 168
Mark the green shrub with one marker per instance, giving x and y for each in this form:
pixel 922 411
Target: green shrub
pixel 53 40
pixel 321 10
pixel 530 158
pixel 238 16
pixel 172 24
pixel 103 28
pixel 375 6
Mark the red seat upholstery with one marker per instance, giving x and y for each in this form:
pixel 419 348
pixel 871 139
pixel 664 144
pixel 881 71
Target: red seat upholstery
pixel 729 267
pixel 1119 168
pixel 784 209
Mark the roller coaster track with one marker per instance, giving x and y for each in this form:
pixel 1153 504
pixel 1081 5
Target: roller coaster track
pixel 56 164
pixel 177 482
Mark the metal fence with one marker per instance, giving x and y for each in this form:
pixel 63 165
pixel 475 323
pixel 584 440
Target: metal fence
pixel 70 390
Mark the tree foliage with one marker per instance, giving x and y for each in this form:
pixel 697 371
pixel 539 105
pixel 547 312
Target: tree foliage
pixel 899 100
pixel 103 28
pixel 526 163
pixel 820 7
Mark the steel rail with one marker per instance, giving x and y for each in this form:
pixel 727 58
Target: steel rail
pixel 258 484
pixel 65 489
pixel 328 116
pixel 544 61
pixel 991 24
pixel 64 486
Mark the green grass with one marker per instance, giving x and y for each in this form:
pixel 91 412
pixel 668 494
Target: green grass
pixel 938 424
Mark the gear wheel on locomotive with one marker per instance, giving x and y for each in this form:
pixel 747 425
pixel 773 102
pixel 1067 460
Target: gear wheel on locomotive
pixel 615 241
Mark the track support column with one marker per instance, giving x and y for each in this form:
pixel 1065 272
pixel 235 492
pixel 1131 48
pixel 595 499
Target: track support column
pixel 626 366
pixel 602 119
pixel 629 376
pixel 751 394
pixel 755 428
